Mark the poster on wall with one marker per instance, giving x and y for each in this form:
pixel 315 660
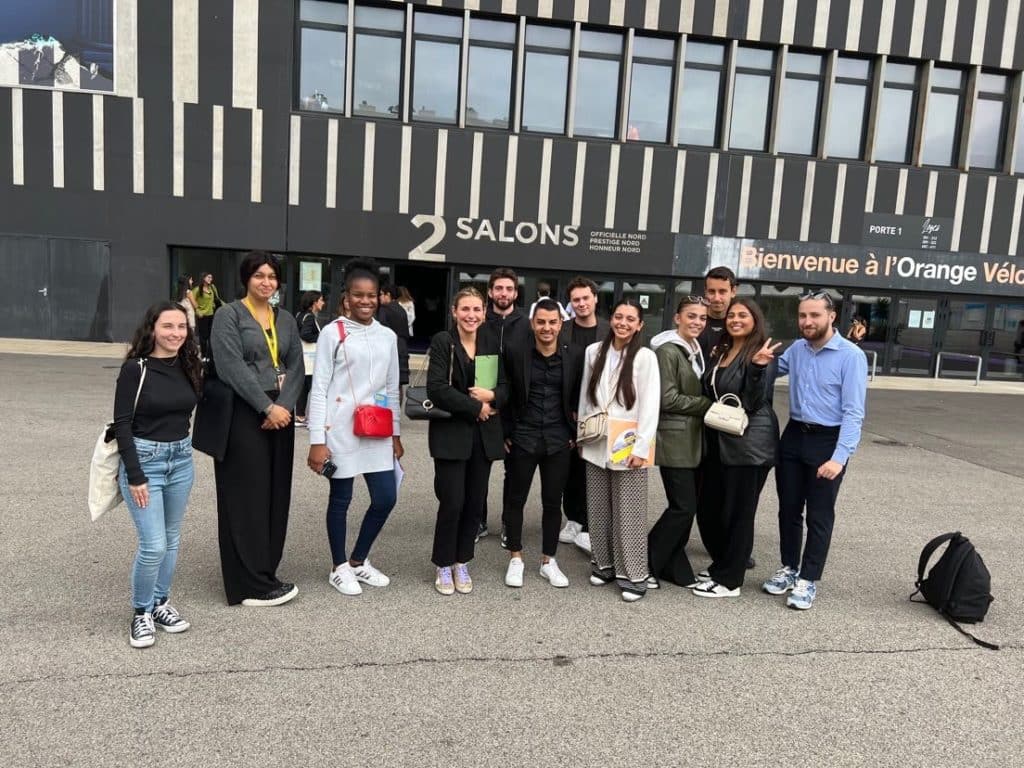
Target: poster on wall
pixel 57 44
pixel 310 275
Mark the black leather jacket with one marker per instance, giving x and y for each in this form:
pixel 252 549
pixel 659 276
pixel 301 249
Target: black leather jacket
pixel 754 385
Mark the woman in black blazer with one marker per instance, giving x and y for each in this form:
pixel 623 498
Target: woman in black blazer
pixel 742 365
pixel 463 446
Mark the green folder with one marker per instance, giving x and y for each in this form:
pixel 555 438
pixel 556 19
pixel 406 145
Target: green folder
pixel 487 371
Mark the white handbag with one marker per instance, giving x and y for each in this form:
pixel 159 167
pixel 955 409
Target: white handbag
pixel 104 491
pixel 731 419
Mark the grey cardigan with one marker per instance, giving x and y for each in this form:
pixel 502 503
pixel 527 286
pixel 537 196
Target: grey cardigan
pixel 243 360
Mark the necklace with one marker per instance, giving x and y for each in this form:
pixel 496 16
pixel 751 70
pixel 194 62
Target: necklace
pixel 164 360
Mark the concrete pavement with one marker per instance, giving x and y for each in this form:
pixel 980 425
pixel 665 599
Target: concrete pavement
pixel 402 676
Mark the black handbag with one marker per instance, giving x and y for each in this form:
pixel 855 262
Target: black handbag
pixel 418 406
pixel 213 416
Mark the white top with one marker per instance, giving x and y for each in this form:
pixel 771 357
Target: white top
pixel 693 347
pixel 372 352
pixel 410 311
pixel 646 380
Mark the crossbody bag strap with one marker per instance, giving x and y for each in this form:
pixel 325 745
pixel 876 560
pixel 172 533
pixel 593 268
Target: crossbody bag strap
pixel 342 335
pixel 142 378
pixel 714 375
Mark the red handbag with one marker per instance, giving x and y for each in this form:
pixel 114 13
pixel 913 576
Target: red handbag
pixel 368 420
pixel 372 421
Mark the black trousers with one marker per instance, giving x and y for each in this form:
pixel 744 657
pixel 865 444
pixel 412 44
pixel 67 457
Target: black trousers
pixel 710 482
pixel 504 496
pixel 254 489
pixel 739 494
pixel 574 500
pixel 520 467
pixel 796 480
pixel 300 407
pixel 203 327
pixel 461 490
pixel 666 543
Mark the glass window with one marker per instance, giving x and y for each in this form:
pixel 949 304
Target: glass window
pixel 489 81
pixel 546 78
pixel 896 113
pixel 597 84
pixel 751 100
pixel 800 105
pixel 700 94
pixel 323 36
pixel 988 128
pixel 377 75
pixel 650 88
pixel 848 111
pixel 1019 155
pixel 942 118
pixel 437 49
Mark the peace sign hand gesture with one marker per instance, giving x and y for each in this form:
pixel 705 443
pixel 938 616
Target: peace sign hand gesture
pixel 766 353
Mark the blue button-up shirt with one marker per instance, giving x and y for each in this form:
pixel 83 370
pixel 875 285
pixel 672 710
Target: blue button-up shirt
pixel 828 386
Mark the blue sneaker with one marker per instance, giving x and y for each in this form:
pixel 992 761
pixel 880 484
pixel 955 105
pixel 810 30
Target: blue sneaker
pixel 782 582
pixel 803 595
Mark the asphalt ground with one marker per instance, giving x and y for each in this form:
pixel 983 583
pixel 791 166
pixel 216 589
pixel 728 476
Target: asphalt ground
pixel 403 676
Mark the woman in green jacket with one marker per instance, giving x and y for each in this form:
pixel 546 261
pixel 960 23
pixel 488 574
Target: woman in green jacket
pixel 680 439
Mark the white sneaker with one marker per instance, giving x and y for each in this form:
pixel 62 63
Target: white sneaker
pixel 714 589
pixel 570 532
pixel 367 574
pixel 582 541
pixel 553 574
pixel 514 573
pixel 343 578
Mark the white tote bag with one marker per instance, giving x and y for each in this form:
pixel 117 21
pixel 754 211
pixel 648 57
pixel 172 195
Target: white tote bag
pixel 104 492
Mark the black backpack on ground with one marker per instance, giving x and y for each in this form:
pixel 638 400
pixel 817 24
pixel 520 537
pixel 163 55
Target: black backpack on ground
pixel 958 586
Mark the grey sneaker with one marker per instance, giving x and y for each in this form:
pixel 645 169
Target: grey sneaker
pixel 803 595
pixel 782 582
pixel 167 618
pixel 142 632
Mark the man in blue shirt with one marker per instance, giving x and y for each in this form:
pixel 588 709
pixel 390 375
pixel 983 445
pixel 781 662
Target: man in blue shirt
pixel 827 388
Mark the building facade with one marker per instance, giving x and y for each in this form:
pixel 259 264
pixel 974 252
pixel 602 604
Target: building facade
pixel 870 147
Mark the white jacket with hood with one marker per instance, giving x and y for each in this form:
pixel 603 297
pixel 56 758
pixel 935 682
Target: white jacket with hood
pixel 350 373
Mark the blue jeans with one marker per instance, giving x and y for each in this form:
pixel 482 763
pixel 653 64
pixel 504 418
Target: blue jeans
pixel 169 474
pixel 383 494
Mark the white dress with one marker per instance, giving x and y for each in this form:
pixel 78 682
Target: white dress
pixel 370 354
pixel 410 311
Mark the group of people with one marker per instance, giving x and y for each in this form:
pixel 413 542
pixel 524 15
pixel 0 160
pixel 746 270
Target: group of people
pixel 583 400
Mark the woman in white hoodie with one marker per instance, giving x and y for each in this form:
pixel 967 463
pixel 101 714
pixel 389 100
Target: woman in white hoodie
pixel 620 378
pixel 356 364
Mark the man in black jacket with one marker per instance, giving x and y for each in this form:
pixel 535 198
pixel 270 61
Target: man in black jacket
pixel 510 327
pixel 584 329
pixel 540 429
pixel 391 315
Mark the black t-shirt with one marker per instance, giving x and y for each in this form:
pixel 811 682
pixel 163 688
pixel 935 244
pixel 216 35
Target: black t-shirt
pixel 162 414
pixel 711 335
pixel 583 337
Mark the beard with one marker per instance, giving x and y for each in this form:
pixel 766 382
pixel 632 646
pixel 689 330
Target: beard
pixel 814 333
pixel 502 303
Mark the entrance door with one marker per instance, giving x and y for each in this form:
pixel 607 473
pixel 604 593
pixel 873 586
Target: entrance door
pixel 1005 347
pixel 429 289
pixel 912 339
pixel 26 312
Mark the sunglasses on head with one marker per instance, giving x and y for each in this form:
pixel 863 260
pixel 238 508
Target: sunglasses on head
pixel 818 295
pixel 695 300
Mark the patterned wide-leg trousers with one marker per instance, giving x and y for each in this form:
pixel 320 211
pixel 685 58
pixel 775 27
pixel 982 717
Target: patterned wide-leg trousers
pixel 617 503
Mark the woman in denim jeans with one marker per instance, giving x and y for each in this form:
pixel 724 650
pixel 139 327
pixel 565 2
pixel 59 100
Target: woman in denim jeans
pixel 156 391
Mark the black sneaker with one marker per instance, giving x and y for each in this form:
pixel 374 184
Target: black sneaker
pixel 141 632
pixel 167 618
pixel 481 532
pixel 751 563
pixel 504 537
pixel 278 596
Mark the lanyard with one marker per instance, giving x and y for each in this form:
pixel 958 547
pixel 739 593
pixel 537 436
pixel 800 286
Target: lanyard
pixel 270 336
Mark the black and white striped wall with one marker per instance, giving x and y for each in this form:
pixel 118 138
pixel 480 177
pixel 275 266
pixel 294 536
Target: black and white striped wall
pixel 199 145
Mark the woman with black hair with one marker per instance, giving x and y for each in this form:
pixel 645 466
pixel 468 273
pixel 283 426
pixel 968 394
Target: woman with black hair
pixel 157 388
pixel 183 296
pixel 311 303
pixel 207 302
pixel 258 355
pixel 621 380
pixel 741 366
pixel 356 365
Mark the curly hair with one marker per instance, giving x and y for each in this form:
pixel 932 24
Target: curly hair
pixel 142 343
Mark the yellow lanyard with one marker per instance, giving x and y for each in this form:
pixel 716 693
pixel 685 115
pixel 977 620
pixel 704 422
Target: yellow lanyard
pixel 271 337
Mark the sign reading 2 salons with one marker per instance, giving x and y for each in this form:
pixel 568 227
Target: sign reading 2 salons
pixel 849 266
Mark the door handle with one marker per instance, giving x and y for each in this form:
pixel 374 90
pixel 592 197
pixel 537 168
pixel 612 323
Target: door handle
pixel 43 291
